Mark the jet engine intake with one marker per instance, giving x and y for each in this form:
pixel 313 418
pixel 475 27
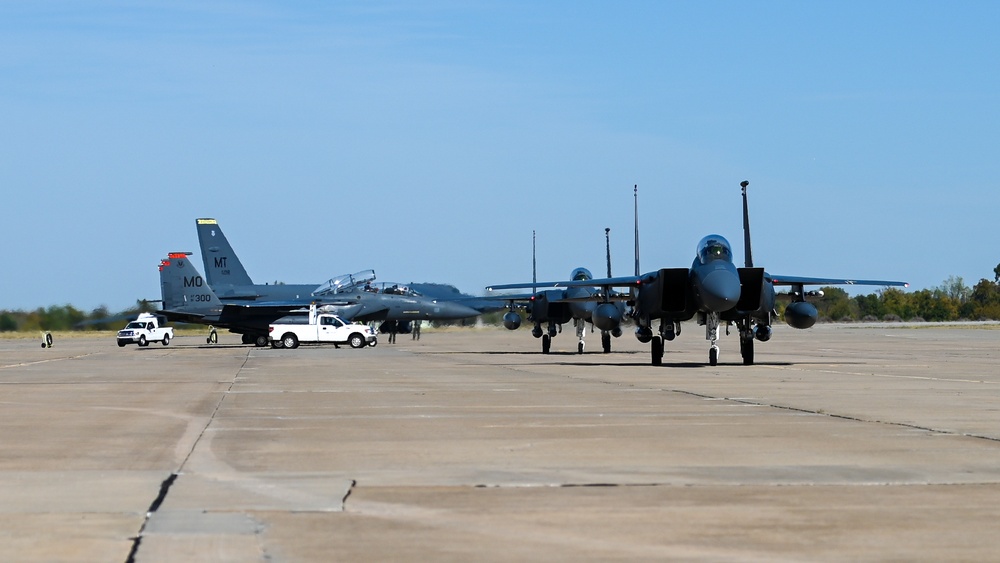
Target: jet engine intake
pixel 801 314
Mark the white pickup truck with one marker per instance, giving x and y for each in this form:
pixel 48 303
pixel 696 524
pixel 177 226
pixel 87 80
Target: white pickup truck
pixel 145 329
pixel 319 328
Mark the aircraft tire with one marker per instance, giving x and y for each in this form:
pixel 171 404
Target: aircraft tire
pixel 746 350
pixel 166 339
pixel 579 347
pixel 546 343
pixel 713 356
pixel 606 343
pixel 656 350
pixel 356 340
pixel 290 341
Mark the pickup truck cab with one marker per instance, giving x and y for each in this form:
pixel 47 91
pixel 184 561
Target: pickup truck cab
pixel 319 328
pixel 145 329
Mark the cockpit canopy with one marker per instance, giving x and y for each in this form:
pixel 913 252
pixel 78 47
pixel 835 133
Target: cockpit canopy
pixel 581 274
pixel 345 283
pixel 714 247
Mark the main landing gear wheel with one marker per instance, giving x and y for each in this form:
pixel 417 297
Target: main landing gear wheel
pixel 713 356
pixel 546 343
pixel 746 350
pixel 606 342
pixel 579 347
pixel 656 349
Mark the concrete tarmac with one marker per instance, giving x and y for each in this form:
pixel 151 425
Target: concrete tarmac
pixel 843 442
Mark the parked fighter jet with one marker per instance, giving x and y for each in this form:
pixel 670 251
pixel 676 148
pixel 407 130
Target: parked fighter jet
pixel 229 279
pixel 580 304
pixel 187 298
pixel 716 291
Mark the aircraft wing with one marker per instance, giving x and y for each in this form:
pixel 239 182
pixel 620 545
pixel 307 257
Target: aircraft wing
pixel 626 281
pixel 798 280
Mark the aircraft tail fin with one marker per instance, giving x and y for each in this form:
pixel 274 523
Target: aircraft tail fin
pixel 222 266
pixel 607 247
pixel 746 226
pixel 182 286
pixel 635 197
pixel 534 267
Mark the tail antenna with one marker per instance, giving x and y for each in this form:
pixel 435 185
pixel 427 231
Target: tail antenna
pixel 635 197
pixel 746 226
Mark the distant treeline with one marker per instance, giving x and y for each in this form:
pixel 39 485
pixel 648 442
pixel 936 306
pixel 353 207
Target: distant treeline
pixel 949 302
pixel 68 317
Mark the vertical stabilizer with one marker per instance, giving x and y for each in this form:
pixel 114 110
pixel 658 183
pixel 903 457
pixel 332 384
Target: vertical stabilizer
pixel 607 247
pixel 635 198
pixel 222 266
pixel 746 226
pixel 534 266
pixel 181 285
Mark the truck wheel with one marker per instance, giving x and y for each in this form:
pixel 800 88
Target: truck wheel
pixel 260 341
pixel 142 340
pixel 166 339
pixel 290 341
pixel 357 341
pixel 277 344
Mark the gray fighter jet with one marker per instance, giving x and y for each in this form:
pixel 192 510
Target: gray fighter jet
pixel 715 291
pixel 580 304
pixel 226 275
pixel 187 298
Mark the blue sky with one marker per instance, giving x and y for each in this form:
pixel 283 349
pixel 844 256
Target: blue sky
pixel 427 140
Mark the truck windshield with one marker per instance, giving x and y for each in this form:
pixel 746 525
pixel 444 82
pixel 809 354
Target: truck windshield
pixel 136 324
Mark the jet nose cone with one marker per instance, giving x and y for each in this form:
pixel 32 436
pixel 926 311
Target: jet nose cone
pixel 720 290
pixel 449 310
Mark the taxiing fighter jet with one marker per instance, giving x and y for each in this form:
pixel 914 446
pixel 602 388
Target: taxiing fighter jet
pixel 715 291
pixel 580 304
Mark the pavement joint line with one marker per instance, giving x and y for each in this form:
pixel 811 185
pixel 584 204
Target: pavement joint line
pixel 169 481
pixel 25 364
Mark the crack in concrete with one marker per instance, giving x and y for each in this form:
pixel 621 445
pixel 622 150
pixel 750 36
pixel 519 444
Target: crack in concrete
pixel 169 481
pixel 350 489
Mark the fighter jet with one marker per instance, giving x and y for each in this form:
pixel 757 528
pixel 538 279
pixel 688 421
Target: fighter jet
pixel 187 298
pixel 229 279
pixel 715 291
pixel 580 304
